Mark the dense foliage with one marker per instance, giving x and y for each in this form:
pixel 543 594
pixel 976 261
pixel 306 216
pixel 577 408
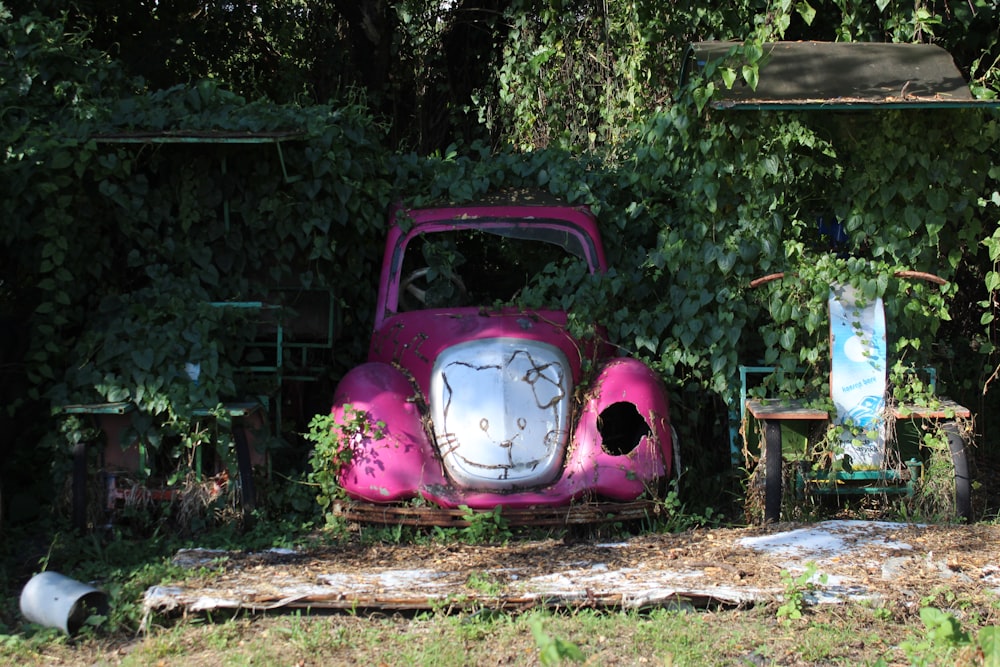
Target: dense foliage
pixel 274 142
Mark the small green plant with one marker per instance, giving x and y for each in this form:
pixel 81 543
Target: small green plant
pixel 939 595
pixel 883 614
pixel 553 650
pixel 485 527
pixel 672 516
pixel 946 642
pixel 796 588
pixel 934 497
pixel 484 583
pixel 334 445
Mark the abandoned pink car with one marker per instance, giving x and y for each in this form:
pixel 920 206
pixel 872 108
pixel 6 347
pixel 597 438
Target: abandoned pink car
pixel 481 403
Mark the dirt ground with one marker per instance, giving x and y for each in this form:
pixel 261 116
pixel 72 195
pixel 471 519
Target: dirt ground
pixel 708 567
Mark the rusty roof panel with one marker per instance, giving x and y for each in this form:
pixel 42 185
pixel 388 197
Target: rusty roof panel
pixel 797 75
pixel 197 137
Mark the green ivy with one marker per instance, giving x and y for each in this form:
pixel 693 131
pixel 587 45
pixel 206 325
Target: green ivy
pixel 333 446
pixel 109 240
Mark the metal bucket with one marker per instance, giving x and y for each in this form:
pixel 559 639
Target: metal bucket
pixel 54 600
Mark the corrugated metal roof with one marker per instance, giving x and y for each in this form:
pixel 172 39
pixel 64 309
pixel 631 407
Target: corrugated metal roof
pixel 840 75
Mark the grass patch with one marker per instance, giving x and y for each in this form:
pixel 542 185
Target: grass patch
pixel 659 637
pixel 128 560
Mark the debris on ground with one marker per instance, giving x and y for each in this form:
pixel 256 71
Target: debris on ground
pixel 698 568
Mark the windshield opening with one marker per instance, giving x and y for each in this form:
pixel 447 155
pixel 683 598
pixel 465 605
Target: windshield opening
pixel 484 267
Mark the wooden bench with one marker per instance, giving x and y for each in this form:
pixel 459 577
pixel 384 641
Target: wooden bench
pixel 299 326
pixel 858 392
pixel 772 412
pixel 118 456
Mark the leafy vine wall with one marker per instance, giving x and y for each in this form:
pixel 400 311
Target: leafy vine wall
pixel 693 204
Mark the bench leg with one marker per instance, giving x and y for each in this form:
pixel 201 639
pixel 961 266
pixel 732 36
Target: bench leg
pixel 772 471
pixel 80 486
pixel 248 493
pixel 963 480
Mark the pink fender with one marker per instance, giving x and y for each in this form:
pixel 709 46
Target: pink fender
pixel 395 466
pixel 623 476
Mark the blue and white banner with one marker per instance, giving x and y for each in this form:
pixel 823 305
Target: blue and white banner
pixel 858 375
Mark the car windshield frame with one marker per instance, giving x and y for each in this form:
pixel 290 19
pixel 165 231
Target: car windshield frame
pixel 552 227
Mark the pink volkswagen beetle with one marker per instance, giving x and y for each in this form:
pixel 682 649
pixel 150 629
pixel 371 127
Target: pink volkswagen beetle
pixel 481 403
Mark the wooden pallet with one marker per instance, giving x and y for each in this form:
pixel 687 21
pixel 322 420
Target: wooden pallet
pixel 579 514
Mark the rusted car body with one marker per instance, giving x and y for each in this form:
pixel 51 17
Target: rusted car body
pixel 481 403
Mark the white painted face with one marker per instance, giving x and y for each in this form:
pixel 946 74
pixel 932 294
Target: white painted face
pixel 501 409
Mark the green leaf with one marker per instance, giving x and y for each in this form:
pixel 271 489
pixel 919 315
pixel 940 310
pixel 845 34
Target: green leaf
pixel 647 343
pixel 728 76
pixel 143 359
pixel 806 11
pixel 943 627
pixel 787 339
pixel 62 159
pixel 116 394
pixel 993 281
pixel 989 643
pixel 702 95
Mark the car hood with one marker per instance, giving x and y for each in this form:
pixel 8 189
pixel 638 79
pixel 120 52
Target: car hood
pixel 498 388
pixel 500 410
